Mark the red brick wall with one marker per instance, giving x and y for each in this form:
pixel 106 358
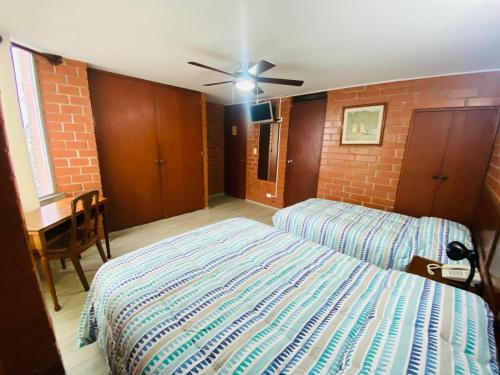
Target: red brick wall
pixel 256 189
pixel 369 175
pixel 215 148
pixel 69 125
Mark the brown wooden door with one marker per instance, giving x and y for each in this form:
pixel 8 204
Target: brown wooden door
pixel 305 137
pixel 446 161
pixel 235 150
pixel 178 114
pixel 465 163
pixel 424 155
pixel 124 111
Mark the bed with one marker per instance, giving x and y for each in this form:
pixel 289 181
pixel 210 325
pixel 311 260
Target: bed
pixel 242 297
pixel 385 239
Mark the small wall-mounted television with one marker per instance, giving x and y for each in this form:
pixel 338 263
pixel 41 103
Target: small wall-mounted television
pixel 261 113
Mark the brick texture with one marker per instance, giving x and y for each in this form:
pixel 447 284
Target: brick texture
pixel 256 189
pixel 215 148
pixel 369 175
pixel 69 125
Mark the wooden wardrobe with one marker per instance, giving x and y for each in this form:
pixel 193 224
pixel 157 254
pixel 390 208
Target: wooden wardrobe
pixel 446 160
pixel 149 139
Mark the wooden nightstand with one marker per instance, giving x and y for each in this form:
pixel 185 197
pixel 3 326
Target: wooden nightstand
pixel 418 266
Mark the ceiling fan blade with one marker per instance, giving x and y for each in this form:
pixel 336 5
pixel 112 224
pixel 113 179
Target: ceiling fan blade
pixel 210 68
pixel 217 83
pixel 261 67
pixel 257 90
pixel 279 81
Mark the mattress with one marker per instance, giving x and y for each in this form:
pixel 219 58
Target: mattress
pixel 242 297
pixel 385 239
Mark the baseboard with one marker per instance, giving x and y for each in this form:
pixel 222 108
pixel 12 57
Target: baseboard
pixel 215 195
pixel 262 204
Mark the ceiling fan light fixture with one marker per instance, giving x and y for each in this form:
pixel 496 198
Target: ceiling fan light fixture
pixel 245 84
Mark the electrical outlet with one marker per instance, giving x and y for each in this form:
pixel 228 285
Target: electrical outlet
pixel 269 195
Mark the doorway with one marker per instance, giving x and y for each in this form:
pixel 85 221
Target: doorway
pixel 235 150
pixel 305 138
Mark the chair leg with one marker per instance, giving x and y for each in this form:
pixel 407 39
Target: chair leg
pixel 50 282
pixel 79 271
pixel 63 263
pixel 98 243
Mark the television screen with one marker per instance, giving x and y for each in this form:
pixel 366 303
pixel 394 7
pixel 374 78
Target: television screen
pixel 261 113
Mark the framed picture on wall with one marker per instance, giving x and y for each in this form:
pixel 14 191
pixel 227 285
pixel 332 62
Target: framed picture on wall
pixel 363 125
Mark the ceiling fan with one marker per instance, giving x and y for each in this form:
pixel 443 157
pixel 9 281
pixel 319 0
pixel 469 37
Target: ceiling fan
pixel 246 78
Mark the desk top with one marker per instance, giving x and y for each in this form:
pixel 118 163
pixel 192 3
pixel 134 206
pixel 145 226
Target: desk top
pixel 52 214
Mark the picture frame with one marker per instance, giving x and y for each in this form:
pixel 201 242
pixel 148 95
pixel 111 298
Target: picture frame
pixel 363 124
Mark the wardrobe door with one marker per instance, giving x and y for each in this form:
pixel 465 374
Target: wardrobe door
pixel 178 118
pixel 125 130
pixel 468 152
pixel 424 154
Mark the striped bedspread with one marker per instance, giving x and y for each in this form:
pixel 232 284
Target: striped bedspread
pixel 242 297
pixel 388 240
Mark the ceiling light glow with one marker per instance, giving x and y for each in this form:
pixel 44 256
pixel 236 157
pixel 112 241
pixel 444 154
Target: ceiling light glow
pixel 245 84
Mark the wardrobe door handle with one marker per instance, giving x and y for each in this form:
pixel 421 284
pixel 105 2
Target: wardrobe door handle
pixel 443 178
pixel 435 177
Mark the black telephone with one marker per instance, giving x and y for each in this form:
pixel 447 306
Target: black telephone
pixel 458 251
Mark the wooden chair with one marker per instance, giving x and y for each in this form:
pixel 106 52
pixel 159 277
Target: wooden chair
pixel 82 234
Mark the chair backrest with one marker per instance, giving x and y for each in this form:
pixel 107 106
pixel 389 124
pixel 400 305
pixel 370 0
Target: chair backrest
pixel 86 230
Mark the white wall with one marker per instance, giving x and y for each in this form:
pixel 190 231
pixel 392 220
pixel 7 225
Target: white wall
pixel 14 129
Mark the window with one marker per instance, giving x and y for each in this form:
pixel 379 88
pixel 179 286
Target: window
pixel 34 131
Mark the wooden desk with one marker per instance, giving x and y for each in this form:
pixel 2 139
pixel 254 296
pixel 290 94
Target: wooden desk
pixel 42 222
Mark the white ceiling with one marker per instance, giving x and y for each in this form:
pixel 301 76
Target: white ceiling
pixel 326 43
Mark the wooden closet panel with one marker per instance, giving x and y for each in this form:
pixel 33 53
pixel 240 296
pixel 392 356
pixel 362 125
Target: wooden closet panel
pixel 178 117
pixel 235 150
pixel 424 155
pixel 124 113
pixel 305 137
pixel 464 166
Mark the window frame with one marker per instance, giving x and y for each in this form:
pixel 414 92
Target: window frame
pixel 41 124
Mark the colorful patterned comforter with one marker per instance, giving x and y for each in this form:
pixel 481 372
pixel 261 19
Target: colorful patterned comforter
pixel 242 297
pixel 386 239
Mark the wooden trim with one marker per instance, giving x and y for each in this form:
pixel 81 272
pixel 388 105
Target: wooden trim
pixel 28 341
pixel 466 108
pixel 51 58
pixel 382 130
pixel 486 234
pixel 100 71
